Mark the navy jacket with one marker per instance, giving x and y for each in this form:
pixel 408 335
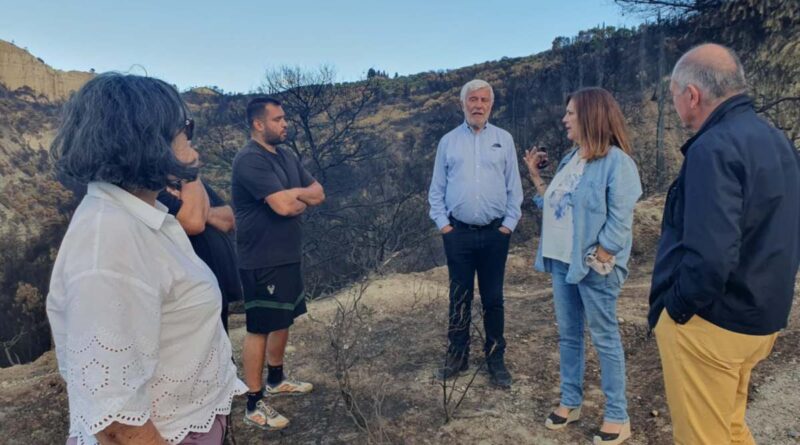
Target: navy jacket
pixel 730 237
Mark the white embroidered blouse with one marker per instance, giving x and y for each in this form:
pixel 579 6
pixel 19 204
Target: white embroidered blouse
pixel 135 316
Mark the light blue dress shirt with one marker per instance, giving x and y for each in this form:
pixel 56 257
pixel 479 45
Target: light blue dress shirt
pixel 476 178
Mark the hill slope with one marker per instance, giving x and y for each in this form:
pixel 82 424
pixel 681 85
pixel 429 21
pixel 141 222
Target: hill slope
pixel 376 172
pixel 398 341
pixel 405 342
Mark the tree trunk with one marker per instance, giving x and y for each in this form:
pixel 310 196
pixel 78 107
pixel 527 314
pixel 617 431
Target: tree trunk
pixel 643 61
pixel 661 87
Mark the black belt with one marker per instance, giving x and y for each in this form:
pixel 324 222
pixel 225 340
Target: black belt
pixel 494 224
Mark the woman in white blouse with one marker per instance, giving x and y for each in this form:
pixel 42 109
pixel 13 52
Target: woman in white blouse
pixel 134 312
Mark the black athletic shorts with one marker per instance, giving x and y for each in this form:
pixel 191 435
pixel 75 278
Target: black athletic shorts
pixel 273 297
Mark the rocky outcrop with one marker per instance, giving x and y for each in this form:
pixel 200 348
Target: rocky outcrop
pixel 205 91
pixel 20 69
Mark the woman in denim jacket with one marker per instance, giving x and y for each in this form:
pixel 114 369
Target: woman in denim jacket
pixel 585 246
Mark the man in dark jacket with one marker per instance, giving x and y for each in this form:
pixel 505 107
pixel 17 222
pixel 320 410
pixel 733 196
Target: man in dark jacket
pixel 724 274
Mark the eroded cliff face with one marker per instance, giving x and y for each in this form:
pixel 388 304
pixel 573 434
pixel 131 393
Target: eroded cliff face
pixel 20 69
pixel 31 96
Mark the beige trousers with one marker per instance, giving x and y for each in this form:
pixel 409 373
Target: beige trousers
pixel 706 376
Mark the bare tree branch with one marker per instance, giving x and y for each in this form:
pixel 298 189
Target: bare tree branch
pixel 773 103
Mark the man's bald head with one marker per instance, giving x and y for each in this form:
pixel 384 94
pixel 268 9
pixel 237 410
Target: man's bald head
pixel 714 69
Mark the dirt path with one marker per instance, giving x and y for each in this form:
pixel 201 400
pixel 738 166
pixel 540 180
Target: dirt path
pixel 409 338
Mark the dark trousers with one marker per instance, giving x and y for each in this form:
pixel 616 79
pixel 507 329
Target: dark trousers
pixel 472 250
pixel 224 313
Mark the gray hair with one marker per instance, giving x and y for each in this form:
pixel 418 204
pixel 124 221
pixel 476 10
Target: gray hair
pixel 710 76
pixel 119 128
pixel 475 84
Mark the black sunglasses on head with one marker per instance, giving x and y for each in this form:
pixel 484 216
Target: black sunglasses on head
pixel 188 128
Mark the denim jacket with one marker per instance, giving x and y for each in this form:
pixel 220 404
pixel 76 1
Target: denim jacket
pixel 602 214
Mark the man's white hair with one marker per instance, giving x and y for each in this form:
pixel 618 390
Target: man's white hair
pixel 709 77
pixel 475 84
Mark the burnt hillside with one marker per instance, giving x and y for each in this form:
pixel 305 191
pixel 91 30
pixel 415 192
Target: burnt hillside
pixel 372 143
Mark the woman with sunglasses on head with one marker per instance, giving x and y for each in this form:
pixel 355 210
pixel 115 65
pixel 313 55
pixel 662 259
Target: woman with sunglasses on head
pixel 585 245
pixel 135 314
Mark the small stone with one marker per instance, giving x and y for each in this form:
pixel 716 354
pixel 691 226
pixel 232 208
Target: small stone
pixel 620 320
pixel 654 413
pixel 794 434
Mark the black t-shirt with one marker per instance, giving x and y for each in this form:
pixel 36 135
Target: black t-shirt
pixel 213 246
pixel 264 238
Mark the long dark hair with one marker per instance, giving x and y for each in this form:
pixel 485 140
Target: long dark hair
pixel 119 128
pixel 602 124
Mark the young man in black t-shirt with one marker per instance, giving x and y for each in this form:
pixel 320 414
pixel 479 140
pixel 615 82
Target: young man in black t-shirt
pixel 271 189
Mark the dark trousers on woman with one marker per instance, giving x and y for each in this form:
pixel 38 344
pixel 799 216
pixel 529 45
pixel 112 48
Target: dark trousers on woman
pixel 475 250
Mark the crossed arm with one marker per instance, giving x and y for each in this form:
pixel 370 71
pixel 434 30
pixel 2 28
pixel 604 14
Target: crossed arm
pixel 294 201
pixel 194 211
pixel 221 218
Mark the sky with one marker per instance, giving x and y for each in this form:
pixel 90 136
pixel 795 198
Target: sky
pixel 231 44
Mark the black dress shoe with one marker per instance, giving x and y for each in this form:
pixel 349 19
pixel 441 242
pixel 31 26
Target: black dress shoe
pixel 602 438
pixel 498 374
pixel 453 367
pixel 556 422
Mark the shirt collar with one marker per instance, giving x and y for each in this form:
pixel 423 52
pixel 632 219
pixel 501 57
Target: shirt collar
pixel 261 147
pixel 153 217
pixel 470 130
pixel 732 104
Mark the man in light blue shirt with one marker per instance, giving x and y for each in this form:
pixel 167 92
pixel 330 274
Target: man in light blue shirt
pixel 475 197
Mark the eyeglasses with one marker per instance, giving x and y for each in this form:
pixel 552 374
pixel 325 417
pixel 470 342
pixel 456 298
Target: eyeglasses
pixel 188 128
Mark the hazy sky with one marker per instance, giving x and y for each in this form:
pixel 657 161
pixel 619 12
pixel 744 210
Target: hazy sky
pixel 230 44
